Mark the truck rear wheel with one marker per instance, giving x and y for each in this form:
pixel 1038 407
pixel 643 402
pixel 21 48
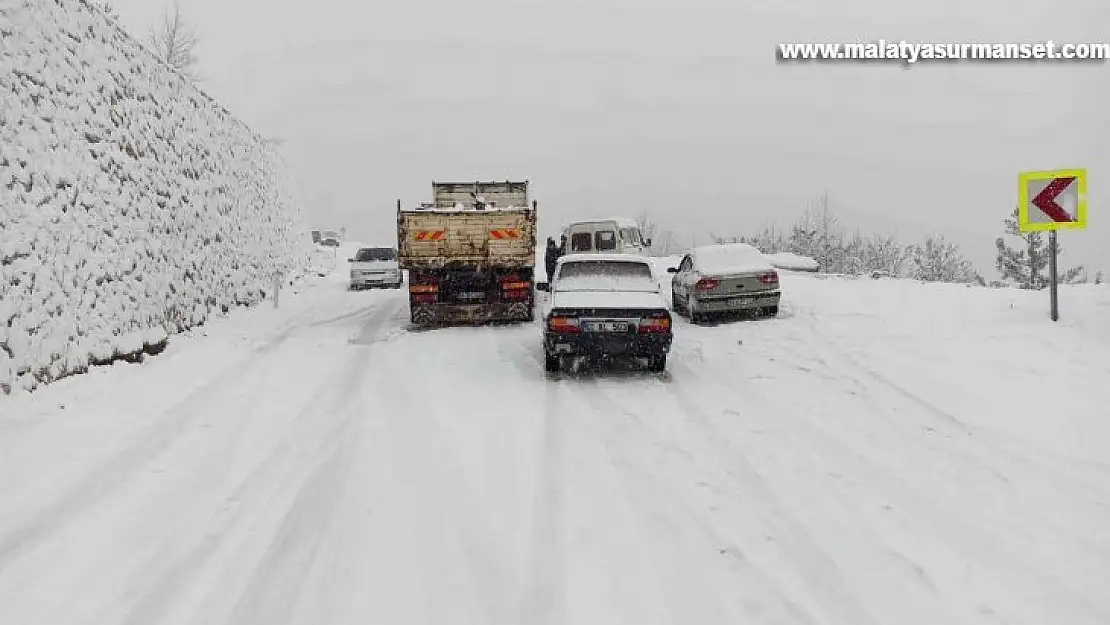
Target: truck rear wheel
pixel 550 363
pixel 657 364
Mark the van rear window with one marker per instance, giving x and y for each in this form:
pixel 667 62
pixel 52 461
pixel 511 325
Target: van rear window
pixel 606 240
pixel 580 242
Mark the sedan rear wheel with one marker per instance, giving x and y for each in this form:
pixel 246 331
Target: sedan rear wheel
pixel 551 363
pixel 691 311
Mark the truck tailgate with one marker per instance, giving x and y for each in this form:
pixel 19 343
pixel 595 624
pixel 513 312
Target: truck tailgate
pixel 494 237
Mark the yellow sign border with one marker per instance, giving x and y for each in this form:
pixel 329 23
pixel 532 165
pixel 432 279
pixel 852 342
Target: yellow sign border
pixel 1025 177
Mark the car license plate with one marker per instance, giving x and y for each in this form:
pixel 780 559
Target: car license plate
pixel 607 326
pixel 472 295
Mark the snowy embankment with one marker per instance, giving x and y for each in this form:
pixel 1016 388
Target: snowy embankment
pixel 132 206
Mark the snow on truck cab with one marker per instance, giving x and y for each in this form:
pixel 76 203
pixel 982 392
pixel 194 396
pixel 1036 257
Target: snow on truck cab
pixel 615 235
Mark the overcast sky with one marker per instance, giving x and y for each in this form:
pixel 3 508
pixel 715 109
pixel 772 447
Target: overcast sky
pixel 674 107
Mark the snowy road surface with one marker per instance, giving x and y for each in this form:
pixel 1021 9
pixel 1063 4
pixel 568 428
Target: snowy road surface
pixel 321 464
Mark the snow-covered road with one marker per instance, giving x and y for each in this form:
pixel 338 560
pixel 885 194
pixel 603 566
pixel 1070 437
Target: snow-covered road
pixel 322 464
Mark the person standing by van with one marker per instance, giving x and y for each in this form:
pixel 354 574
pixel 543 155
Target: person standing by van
pixel 551 258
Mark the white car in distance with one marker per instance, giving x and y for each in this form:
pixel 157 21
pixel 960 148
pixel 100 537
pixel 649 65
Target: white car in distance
pixel 375 266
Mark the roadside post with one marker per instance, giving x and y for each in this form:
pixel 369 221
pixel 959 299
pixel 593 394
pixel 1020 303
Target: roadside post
pixel 277 285
pixel 1050 201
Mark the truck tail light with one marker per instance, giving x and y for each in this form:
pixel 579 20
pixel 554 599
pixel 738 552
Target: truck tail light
pixel 564 325
pixel 659 323
pixel 706 284
pixel 769 278
pixel 512 287
pixel 424 291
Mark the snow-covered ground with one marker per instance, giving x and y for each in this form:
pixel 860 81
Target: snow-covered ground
pixel 883 452
pixel 132 206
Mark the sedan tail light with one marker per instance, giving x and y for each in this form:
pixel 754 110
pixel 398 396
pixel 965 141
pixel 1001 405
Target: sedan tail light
pixel 659 323
pixel 769 278
pixel 564 325
pixel 706 284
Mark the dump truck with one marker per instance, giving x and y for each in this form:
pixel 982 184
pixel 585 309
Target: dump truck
pixel 470 253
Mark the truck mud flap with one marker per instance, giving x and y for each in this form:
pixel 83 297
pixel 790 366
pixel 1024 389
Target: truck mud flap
pixel 468 314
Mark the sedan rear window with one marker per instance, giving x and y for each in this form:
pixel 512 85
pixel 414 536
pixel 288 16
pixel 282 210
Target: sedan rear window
pixel 375 253
pixel 606 275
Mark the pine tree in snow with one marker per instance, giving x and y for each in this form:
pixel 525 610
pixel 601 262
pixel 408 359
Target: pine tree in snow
pixel 817 235
pixel 1028 265
pixel 940 261
pixel 175 42
pixel 108 9
pixel 883 254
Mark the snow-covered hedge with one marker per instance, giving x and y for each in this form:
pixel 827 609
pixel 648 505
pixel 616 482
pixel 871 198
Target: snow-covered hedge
pixel 132 206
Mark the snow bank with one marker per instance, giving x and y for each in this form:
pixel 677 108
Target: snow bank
pixel 132 206
pixel 792 262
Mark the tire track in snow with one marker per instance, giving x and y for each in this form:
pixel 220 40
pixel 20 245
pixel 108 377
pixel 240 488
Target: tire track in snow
pixel 819 571
pixel 269 481
pixel 978 450
pixel 543 599
pixel 920 512
pixel 627 439
pixel 231 387
pixel 447 495
pixel 851 361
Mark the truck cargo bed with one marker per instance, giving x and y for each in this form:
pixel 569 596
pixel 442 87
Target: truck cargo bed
pixel 430 238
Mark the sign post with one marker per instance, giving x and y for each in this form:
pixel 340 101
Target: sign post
pixel 1050 201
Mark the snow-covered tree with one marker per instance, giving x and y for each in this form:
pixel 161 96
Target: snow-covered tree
pixel 817 235
pixel 664 243
pixel 850 255
pixel 883 253
pixel 108 8
pixel 769 241
pixel 941 261
pixel 175 42
pixel 647 225
pixel 1027 266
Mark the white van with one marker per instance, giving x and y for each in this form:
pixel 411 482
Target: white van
pixel 615 235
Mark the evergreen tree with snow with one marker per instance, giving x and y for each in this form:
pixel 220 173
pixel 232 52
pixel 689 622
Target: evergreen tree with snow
pixel 941 261
pixel 108 9
pixel 883 254
pixel 1027 265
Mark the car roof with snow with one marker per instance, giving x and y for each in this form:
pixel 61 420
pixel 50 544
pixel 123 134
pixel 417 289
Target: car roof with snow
pixel 729 257
pixel 622 222
pixel 595 257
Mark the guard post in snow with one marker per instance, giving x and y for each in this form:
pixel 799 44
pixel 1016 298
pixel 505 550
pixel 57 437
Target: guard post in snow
pixel 1049 201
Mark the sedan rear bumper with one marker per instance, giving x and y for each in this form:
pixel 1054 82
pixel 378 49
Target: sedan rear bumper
pixel 745 301
pixel 375 280
pixel 598 344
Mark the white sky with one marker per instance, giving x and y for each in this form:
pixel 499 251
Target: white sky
pixel 675 107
